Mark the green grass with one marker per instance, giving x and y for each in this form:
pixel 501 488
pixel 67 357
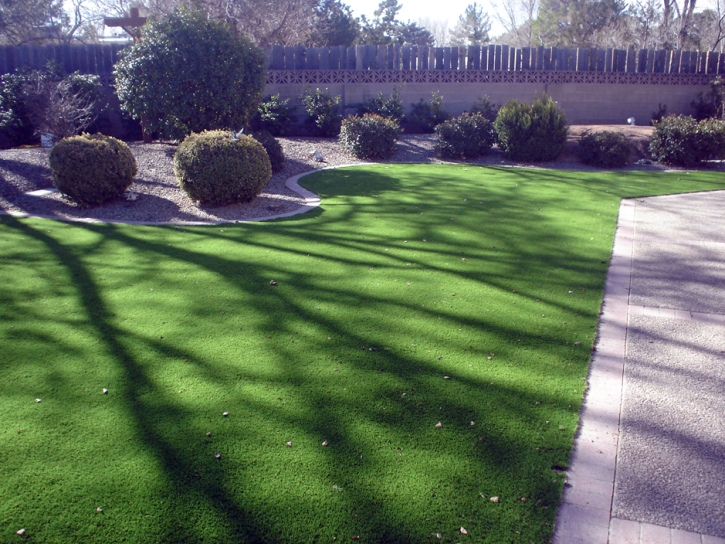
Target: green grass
pixel 404 275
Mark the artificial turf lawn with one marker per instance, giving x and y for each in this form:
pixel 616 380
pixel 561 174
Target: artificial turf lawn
pixel 404 276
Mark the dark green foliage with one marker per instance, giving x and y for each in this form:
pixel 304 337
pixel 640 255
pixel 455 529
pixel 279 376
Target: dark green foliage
pixel 467 136
pixel 333 24
pixel 484 106
pixel 658 115
pixel 712 104
pixel 15 125
pixel 605 149
pixel 215 170
pixel 323 112
pixel 274 115
pixel 46 101
pixel 424 116
pixel 531 132
pixel 370 136
pixel 189 74
pixel 391 106
pixel 92 168
pixel 273 149
pixel 683 141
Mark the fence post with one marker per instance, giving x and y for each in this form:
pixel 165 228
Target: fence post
pixel 381 54
pixel 631 61
pixel 312 56
pixel 406 57
pixel 438 53
pixel 423 59
pixel 289 58
pixel 324 62
pixel 414 61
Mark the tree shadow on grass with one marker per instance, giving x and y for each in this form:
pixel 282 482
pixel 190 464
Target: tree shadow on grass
pixel 364 427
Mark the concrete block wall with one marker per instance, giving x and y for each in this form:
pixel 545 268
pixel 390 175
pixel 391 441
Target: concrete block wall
pixel 583 103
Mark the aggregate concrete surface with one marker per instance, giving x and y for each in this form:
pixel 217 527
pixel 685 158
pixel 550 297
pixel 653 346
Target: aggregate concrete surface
pixel 671 460
pixel 648 465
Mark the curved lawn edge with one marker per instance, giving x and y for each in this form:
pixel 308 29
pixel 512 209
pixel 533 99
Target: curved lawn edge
pixel 311 201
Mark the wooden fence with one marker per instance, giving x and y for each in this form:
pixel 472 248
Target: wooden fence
pixel 495 58
pixel 99 59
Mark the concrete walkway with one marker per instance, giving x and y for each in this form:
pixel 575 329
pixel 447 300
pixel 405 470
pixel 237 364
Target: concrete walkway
pixel 649 459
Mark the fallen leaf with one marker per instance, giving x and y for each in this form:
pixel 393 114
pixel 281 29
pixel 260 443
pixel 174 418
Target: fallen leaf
pixel 463 531
pixel 21 532
pixel 105 391
pixel 523 499
pixel 439 425
pixel 99 509
pixel 225 414
pixel 438 535
pixel 577 343
pixel 289 444
pixel 324 443
pixel 272 282
pixel 473 423
pixel 446 377
pixel 37 400
pixel 209 433
pixel 217 455
pixel 495 499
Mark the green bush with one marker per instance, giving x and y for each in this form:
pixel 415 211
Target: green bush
pixel 531 132
pixel 370 136
pixel 215 169
pixel 323 112
pixel 273 149
pixel 188 74
pixel 46 101
pixel 484 106
pixel 274 116
pixel 467 136
pixel 391 106
pixel 424 116
pixel 712 104
pixel 683 141
pixel 91 168
pixel 605 149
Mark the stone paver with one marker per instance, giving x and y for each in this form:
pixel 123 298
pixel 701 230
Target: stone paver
pixel 664 296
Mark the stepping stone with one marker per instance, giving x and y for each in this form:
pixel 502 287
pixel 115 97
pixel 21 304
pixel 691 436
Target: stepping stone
pixel 42 192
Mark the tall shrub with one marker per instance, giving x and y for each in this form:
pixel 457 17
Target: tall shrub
pixel 323 112
pixel 188 74
pixel 531 132
pixel 683 141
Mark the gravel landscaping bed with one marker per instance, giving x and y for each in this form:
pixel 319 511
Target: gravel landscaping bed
pixel 159 198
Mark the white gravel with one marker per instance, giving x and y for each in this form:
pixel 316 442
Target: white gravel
pixel 161 200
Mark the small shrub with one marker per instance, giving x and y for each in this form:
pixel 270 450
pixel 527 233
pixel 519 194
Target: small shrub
pixel 605 149
pixel 424 116
pixel 273 149
pixel 658 115
pixel 274 116
pixel 91 169
pixel 391 107
pixel 531 132
pixel 323 112
pixel 484 106
pixel 467 136
pixel 215 169
pixel 370 136
pixel 683 141
pixel 712 104
pixel 45 101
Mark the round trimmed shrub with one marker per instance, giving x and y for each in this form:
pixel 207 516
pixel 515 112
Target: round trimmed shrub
pixel 188 74
pixel 92 168
pixel 370 136
pixel 606 149
pixel 531 132
pixel 467 136
pixel 683 141
pixel 215 169
pixel 273 149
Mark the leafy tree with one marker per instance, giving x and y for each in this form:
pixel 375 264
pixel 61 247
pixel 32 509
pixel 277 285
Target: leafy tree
pixel 189 74
pixel 23 21
pixel 576 23
pixel 472 27
pixel 386 29
pixel 334 24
